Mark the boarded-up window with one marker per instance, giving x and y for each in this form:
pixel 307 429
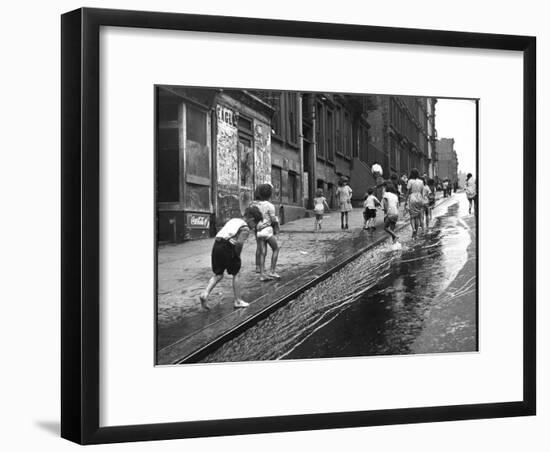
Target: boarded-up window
pixel 247 162
pixel 276 180
pixel 293 187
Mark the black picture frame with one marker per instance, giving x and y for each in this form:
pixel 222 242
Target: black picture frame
pixel 80 263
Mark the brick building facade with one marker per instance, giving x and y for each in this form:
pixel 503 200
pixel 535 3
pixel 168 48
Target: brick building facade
pixel 215 146
pixel 447 160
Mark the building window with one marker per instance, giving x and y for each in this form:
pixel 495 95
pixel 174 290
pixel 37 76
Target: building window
pixel 338 137
pixel 245 124
pixel 168 165
pixel 292 135
pixel 197 160
pixel 273 98
pixel 293 187
pixel 319 130
pixel 329 135
pixel 277 182
pixel 347 135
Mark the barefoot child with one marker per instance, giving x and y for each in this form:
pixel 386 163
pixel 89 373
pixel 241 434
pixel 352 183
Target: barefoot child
pixel 369 214
pixel 319 204
pixel 226 254
pixel 390 203
pixel 266 231
pixel 431 201
pixel 471 192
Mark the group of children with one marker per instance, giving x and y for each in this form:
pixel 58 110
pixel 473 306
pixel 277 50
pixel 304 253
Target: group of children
pixel 419 198
pixel 390 205
pixel 260 218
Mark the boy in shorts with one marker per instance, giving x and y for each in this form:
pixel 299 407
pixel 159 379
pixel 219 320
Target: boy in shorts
pixel 390 203
pixel 369 212
pixel 226 254
pixel 319 204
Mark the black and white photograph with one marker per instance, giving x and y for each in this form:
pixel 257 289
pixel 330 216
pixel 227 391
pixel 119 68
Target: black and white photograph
pixel 311 225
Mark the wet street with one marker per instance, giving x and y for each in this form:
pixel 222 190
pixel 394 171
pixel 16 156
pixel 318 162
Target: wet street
pixel 417 298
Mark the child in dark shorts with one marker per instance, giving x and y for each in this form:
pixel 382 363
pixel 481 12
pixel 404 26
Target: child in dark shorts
pixel 369 212
pixel 226 254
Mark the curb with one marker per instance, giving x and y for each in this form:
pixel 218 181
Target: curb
pixel 197 355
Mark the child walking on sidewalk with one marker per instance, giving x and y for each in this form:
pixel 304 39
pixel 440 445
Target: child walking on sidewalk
pixel 390 203
pixel 369 214
pixel 226 254
pixel 319 204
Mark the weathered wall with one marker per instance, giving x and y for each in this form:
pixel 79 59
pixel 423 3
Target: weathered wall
pixel 227 166
pixel 262 153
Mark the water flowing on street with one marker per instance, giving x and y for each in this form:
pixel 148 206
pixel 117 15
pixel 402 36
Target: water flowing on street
pixel 419 297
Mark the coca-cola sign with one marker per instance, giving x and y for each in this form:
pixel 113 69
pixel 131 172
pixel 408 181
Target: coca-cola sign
pixel 198 221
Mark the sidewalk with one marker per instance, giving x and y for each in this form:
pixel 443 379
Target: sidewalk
pixel 183 327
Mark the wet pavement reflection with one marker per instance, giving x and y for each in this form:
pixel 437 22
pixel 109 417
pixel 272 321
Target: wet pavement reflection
pixel 419 298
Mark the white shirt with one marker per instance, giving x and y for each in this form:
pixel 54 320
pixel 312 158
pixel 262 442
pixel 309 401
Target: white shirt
pixel 268 214
pixel 392 203
pixel 235 230
pixel 370 202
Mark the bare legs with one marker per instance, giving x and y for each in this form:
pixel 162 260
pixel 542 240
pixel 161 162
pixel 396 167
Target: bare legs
pixel 415 224
pixel 214 280
pixel 258 255
pixel 262 246
pixel 389 230
pixel 318 222
pixel 239 302
pixel 344 220
pixel 275 248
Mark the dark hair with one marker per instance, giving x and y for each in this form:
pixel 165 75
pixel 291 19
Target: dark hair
pixel 468 175
pixel 431 182
pixel 394 177
pixel 265 191
pixel 257 194
pixel 370 191
pixel 390 187
pixel 254 213
pixel 414 174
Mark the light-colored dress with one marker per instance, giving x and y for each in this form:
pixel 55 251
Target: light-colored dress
pixel 470 189
pixel 343 194
pixel 417 200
